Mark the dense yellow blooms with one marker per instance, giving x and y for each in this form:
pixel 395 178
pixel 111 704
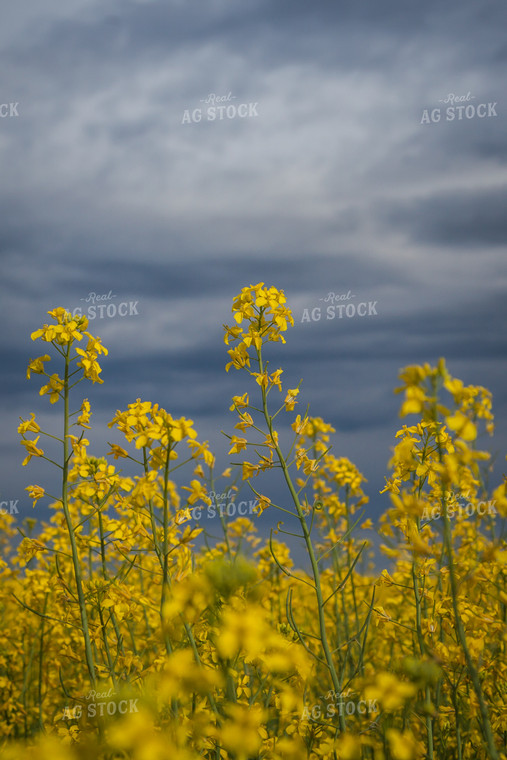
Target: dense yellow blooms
pixel 122 638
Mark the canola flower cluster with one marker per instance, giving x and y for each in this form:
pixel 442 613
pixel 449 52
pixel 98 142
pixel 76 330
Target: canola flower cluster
pixel 216 650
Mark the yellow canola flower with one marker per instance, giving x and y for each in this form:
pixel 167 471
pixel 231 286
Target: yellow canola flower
pixel 181 674
pixel 261 378
pixel 137 735
pixel 300 425
pixel 31 450
pixel 238 444
pixel 29 548
pixel 290 399
pixel 146 423
pixel 249 470
pixel 313 427
pixel 84 417
pixel 385 579
pixel 413 375
pixel 94 345
pixel 28 425
pixel 275 379
pixel 239 357
pixel 197 491
pixel 271 439
pixel 266 463
pixel 254 337
pixel 265 311
pixel 54 388
pixel 64 332
pixel 239 401
pixel 201 450
pixel 348 747
pixel 404 746
pixel 242 630
pixel 35 493
pixel 242 734
pixel 91 368
pixel 231 333
pixel 245 422
pixel 198 471
pixel 462 425
pixel 455 387
pixel 389 691
pixel 37 365
pixel 53 747
pixel 117 451
pixel 263 504
pixel 345 473
pixel 414 401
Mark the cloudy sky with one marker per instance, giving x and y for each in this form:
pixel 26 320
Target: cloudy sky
pixel 343 172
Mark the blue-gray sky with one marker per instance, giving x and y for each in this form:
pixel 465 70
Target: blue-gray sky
pixel 334 181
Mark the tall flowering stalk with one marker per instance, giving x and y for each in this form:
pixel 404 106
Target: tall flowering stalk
pixel 266 316
pixel 438 453
pixel 159 436
pixel 62 336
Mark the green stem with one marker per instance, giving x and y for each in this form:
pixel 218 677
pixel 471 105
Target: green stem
pixel 486 724
pixel 486 729
pixel 422 648
pixel 308 542
pixel 75 555
pixel 41 663
pixel 119 638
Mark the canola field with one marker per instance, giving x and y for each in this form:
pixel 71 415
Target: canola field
pixel 124 635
